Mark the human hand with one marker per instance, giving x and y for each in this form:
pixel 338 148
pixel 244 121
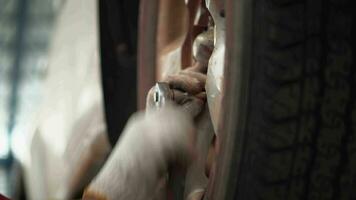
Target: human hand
pixel 187 89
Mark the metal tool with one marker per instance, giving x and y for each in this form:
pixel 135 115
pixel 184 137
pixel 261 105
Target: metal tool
pixel 162 94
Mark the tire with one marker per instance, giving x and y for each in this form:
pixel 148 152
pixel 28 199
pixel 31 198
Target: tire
pixel 293 105
pixel 118 52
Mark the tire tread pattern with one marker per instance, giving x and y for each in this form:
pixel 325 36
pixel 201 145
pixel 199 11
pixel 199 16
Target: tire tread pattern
pixel 301 140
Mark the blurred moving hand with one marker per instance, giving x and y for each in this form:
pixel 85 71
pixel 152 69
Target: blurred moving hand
pixel 152 142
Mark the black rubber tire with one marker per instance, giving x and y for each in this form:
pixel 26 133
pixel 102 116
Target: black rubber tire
pixel 299 139
pixel 118 52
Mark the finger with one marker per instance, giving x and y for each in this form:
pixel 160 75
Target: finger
pixel 185 83
pixel 179 96
pixel 193 106
pixel 201 96
pixel 182 97
pixel 200 76
pixel 198 67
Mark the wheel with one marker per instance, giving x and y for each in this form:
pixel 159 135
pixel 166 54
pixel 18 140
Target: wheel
pixel 289 106
pixel 118 41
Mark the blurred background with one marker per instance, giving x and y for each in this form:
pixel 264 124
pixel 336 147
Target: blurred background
pixel 64 65
pixel 26 27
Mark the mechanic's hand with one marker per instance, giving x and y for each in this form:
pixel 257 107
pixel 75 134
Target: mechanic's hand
pixel 150 143
pixel 188 89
